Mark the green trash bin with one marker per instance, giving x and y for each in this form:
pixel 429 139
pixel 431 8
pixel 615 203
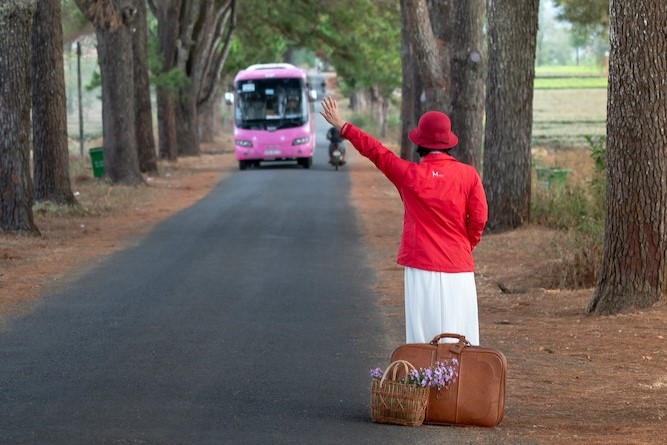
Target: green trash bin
pixel 548 176
pixel 97 161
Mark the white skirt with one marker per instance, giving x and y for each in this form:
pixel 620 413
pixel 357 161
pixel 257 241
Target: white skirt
pixel 438 302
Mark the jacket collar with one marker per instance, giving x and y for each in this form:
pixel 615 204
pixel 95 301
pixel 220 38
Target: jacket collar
pixel 437 157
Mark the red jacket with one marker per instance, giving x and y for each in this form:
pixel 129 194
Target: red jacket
pixel 444 204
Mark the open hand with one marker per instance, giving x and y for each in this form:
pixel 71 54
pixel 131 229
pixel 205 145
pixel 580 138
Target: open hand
pixel 330 112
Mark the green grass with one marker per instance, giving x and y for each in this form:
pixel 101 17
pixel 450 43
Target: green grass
pixel 553 83
pixel 569 71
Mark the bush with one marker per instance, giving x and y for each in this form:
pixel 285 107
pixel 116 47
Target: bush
pixel 578 212
pixel 359 120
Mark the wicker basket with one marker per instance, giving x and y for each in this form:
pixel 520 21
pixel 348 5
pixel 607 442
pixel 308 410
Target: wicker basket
pixel 394 400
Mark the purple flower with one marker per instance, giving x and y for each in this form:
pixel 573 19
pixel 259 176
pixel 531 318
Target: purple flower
pixel 376 373
pixel 440 375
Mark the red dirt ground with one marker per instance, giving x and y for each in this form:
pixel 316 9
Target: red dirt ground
pixel 572 378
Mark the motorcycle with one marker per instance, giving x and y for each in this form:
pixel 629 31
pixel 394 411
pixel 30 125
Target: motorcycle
pixel 337 154
pixel 336 148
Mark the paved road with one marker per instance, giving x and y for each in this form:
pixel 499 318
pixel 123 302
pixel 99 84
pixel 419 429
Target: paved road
pixel 247 319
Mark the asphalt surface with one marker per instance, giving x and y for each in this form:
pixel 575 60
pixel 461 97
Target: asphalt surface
pixel 248 318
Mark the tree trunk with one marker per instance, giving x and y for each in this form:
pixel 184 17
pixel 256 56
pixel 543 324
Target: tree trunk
pixel 49 107
pixel 634 266
pixel 430 53
pixel 187 125
pixel 374 103
pixel 206 30
pixel 384 116
pixel 409 87
pixel 509 111
pixel 166 124
pixel 15 182
pixel 168 14
pixel 209 117
pixel 113 27
pixel 142 103
pixel 121 163
pixel 468 76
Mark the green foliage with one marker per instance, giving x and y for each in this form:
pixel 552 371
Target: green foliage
pixel 598 145
pixel 584 12
pixel 257 39
pixel 95 81
pixel 589 20
pixel 575 213
pixel 359 120
pixel 173 79
pixel 365 53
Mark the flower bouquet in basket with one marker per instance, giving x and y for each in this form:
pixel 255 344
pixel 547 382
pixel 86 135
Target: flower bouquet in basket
pixel 399 394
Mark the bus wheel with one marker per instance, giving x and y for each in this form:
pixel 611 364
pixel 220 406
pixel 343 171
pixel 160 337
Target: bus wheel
pixel 243 165
pixel 305 162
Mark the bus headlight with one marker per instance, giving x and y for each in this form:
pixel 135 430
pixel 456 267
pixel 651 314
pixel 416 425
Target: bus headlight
pixel 243 143
pixel 299 141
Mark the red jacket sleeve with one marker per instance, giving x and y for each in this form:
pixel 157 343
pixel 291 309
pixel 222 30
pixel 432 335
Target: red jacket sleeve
pixel 478 213
pixel 385 160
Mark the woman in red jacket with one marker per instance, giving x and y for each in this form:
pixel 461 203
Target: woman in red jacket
pixel 445 212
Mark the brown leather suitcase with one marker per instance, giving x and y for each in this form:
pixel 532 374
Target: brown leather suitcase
pixel 478 395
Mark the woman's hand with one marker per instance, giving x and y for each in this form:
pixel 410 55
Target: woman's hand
pixel 330 113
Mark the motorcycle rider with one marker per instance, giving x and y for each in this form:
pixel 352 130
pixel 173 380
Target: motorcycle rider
pixel 336 141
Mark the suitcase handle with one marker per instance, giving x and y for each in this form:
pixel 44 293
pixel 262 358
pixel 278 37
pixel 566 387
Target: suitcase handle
pixel 460 338
pixel 456 347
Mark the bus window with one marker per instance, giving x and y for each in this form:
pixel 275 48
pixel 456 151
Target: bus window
pixel 271 102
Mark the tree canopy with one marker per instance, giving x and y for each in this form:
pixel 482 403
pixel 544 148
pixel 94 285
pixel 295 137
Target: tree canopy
pixel 364 52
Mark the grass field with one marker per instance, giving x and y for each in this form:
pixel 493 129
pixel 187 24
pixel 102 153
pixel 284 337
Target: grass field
pixel 543 83
pixel 562 117
pixel 569 70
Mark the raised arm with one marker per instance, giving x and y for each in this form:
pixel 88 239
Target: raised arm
pixel 330 113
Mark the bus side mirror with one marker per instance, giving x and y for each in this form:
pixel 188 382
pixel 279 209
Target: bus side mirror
pixel 229 98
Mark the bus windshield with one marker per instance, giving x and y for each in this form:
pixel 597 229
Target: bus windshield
pixel 270 104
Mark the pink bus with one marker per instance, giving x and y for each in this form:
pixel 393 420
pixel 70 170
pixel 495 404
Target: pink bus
pixel 272 115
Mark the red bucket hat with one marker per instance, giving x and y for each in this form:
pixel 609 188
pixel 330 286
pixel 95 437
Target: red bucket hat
pixel 434 131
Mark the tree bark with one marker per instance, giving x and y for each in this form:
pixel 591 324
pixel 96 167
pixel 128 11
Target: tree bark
pixel 168 14
pixel 209 117
pixel 634 266
pixel 509 111
pixel 166 124
pixel 468 77
pixel 49 107
pixel 187 125
pixel 15 182
pixel 430 53
pixel 408 88
pixel 113 21
pixel 209 94
pixel 384 115
pixel 142 105
pixel 114 47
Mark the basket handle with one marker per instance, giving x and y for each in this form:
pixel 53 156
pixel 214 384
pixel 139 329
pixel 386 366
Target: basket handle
pixel 395 366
